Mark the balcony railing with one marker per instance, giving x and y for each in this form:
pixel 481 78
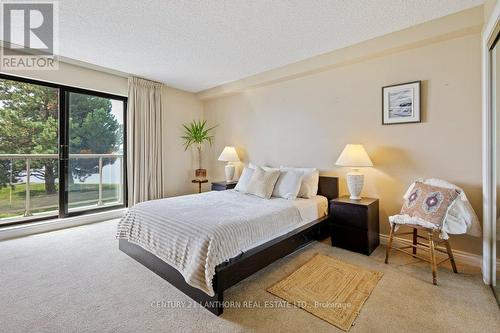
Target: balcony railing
pixel 29 158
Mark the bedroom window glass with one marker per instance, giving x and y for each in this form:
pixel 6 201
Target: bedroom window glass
pixel 62 150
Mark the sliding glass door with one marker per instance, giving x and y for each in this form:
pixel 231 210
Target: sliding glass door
pixel 29 127
pixel 62 150
pixel 495 109
pixel 95 171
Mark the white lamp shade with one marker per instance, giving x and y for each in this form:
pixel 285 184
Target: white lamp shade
pixel 229 155
pixel 354 155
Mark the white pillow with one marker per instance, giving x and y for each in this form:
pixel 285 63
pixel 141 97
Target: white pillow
pixel 288 184
pixel 266 168
pixel 245 177
pixel 262 182
pixel 310 180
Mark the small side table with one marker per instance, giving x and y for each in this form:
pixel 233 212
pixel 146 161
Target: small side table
pixel 199 182
pixel 223 185
pixel 354 224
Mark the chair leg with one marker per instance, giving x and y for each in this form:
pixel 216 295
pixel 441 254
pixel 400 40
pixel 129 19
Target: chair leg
pixel 433 258
pixel 450 255
pixel 415 232
pixel 389 244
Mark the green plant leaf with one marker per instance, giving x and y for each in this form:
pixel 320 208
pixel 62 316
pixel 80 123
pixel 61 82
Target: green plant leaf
pixel 197 133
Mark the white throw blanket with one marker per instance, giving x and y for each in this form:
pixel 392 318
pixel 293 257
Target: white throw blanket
pixel 460 218
pixel 195 233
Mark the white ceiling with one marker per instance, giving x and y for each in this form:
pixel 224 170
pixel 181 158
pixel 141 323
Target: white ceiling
pixel 195 45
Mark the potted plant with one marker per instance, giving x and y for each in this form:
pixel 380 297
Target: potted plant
pixel 196 133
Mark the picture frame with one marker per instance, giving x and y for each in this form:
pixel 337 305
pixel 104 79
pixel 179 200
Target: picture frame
pixel 401 103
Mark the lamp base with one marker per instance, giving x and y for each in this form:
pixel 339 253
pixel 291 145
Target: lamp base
pixel 355 180
pixel 229 170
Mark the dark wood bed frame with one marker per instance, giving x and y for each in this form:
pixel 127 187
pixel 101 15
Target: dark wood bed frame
pixel 238 268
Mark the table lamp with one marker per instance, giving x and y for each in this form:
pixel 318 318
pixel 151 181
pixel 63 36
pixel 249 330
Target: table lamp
pixel 354 156
pixel 229 155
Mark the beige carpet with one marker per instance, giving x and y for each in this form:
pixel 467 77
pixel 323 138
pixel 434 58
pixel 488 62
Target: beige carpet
pixel 76 280
pixel 328 288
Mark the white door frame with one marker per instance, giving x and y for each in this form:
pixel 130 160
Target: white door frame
pixel 489 155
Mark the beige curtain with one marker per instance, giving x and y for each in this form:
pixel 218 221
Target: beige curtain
pixel 145 172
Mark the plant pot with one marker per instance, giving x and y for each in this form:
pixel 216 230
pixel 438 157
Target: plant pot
pixel 200 173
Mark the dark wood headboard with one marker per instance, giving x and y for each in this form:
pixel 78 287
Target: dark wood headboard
pixel 328 187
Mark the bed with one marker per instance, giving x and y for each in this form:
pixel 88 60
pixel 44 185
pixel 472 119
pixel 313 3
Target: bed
pixel 205 243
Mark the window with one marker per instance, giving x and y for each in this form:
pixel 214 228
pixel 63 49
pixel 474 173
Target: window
pixel 46 129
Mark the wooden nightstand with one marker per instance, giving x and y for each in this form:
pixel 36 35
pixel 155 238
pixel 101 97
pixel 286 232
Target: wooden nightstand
pixel 354 224
pixel 222 186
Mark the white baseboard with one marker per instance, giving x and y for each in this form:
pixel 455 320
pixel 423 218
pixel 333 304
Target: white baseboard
pixel 460 256
pixel 26 229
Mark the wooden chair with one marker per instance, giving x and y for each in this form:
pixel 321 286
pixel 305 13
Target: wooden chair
pixel 430 247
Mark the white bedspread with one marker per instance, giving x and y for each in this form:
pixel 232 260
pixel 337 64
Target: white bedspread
pixel 195 233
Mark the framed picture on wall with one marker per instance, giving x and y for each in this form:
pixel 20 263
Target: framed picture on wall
pixel 401 103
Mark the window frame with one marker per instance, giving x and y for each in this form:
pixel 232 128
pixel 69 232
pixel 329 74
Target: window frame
pixel 63 143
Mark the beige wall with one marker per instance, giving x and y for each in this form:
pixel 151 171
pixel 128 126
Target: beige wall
pixel 489 5
pixel 306 121
pixel 77 76
pixel 180 107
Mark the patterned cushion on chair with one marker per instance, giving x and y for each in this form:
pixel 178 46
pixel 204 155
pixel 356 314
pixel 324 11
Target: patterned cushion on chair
pixel 429 203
